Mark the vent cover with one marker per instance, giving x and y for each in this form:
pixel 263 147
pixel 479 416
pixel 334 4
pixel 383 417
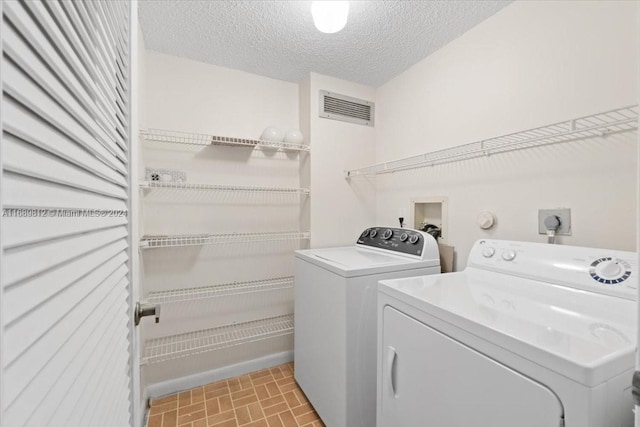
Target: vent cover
pixel 346 109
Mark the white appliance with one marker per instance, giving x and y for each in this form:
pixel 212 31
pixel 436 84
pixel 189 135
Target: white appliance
pixel 335 317
pixel 529 335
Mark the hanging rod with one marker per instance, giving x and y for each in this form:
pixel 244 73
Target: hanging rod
pixel 210 239
pixel 177 185
pixel 601 124
pixel 177 137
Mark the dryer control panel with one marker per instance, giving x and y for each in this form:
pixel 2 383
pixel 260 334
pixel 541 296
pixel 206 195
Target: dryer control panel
pixel 605 271
pixel 402 240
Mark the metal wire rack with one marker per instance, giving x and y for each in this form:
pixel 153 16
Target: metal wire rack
pixel 178 185
pixel 210 239
pixel 191 343
pixel 601 124
pixel 177 137
pixel 216 291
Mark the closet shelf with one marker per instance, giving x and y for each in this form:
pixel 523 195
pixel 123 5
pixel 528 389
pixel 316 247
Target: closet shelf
pixel 191 343
pixel 210 239
pixel 216 291
pixel 176 137
pixel 601 124
pixel 177 185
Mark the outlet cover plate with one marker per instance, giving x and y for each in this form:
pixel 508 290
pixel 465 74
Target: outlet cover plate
pixel 176 175
pixel 565 220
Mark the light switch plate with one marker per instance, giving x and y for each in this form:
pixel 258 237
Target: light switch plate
pixel 565 220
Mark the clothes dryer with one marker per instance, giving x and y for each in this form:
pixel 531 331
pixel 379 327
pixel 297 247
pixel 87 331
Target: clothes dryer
pixel 528 335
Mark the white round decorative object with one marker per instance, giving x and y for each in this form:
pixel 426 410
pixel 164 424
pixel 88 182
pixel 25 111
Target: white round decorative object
pixel 272 134
pixel 486 220
pixel 293 136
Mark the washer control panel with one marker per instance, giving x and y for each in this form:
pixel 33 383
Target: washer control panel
pixel 403 240
pixel 604 271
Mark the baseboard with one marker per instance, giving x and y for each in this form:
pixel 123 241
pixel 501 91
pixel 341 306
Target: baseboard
pixel 196 380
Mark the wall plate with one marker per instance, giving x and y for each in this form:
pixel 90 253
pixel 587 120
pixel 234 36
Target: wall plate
pixel 565 220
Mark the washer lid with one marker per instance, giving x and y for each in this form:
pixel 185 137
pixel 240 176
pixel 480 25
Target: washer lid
pixel 585 336
pixel 353 261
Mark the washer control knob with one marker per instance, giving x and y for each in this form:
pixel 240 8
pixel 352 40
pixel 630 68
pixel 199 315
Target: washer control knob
pixel 414 239
pixel 404 237
pixel 373 233
pixel 365 233
pixel 508 255
pixel 609 269
pixel 488 252
pixel 387 234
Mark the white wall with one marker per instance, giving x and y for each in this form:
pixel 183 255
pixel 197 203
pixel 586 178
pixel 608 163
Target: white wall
pixel 189 96
pixel 304 102
pixel 142 81
pixel 195 97
pixel 531 64
pixel 339 210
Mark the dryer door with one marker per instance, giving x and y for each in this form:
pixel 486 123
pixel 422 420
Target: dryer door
pixel 429 379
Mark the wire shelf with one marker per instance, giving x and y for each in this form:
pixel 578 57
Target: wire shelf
pixel 192 343
pixel 217 291
pixel 176 137
pixel 211 239
pixel 601 124
pixel 177 185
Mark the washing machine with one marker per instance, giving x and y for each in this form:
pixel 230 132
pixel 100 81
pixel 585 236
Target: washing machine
pixel 335 317
pixel 528 335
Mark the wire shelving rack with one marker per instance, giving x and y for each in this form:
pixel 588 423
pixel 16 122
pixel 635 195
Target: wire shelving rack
pixel 210 239
pixel 192 343
pixel 179 185
pixel 217 291
pixel 600 124
pixel 189 138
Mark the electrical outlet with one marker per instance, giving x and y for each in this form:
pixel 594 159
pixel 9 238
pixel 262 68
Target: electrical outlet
pixel 565 220
pixel 155 174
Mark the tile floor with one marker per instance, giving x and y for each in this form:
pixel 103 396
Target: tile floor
pixel 267 398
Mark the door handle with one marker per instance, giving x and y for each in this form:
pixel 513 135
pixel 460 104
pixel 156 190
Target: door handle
pixel 142 310
pixel 391 369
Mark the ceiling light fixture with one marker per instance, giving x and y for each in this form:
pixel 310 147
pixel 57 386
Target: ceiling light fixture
pixel 330 16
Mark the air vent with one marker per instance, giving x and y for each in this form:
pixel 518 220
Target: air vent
pixel 345 108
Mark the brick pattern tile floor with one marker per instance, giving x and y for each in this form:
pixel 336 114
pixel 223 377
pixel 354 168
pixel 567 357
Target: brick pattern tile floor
pixel 267 398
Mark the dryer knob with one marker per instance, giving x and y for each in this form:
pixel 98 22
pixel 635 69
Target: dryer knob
pixel 414 239
pixel 488 252
pixel 373 233
pixel 404 237
pixel 609 269
pixel 365 233
pixel 508 255
pixel 387 234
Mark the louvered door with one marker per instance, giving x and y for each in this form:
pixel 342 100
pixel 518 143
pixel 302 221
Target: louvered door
pixel 66 195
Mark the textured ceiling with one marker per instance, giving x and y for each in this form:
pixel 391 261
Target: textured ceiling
pixel 278 39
